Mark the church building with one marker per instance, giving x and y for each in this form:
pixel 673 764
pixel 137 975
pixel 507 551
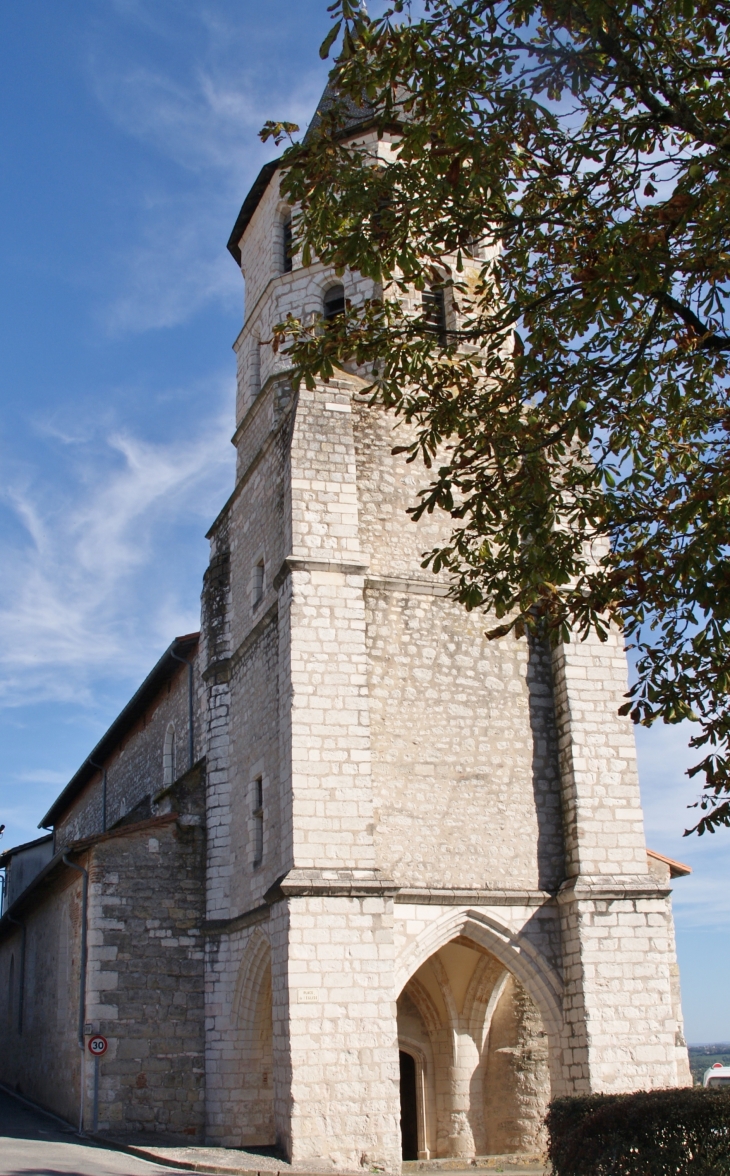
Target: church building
pixel 344 877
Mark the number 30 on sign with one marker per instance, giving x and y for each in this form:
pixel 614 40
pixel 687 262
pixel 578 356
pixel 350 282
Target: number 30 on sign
pixel 98 1045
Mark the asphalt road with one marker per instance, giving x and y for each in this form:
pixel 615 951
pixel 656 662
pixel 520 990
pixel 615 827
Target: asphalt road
pixel 33 1144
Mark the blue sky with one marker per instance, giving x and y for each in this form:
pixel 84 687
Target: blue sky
pixel 127 143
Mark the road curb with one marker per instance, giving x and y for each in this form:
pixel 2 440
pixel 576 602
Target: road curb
pixel 193 1166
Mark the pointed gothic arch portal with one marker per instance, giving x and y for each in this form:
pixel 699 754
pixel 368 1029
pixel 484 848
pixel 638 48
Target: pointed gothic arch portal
pixel 477 1079
pixel 252 1093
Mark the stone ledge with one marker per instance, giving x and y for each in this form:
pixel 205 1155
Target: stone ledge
pixel 345 884
pixel 608 888
pixel 330 883
pixel 295 563
pixel 258 914
pixel 433 896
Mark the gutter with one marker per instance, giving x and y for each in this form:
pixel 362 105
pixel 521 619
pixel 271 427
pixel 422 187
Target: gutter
pixel 82 976
pixel 21 970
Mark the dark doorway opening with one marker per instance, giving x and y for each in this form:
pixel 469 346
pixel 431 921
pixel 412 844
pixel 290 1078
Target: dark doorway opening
pixel 408 1107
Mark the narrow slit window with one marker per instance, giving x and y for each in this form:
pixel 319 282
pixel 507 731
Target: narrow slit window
pixel 334 302
pixel 258 821
pixel 434 311
pixel 258 583
pixel 254 367
pixel 288 242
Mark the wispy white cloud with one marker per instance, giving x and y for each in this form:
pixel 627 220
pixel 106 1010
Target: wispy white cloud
pixel 89 585
pixel 42 776
pixel 205 125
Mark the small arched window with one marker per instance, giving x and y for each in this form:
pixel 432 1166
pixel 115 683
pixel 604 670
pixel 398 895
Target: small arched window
pixel 168 756
pixel 334 302
pixel 287 244
pixel 257 583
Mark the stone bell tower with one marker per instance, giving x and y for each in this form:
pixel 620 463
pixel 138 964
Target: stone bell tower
pixel 428 899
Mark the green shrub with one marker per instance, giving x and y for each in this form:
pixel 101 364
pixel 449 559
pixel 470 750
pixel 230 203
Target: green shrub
pixel 682 1132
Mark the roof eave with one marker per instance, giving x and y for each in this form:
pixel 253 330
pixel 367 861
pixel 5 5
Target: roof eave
pixel 248 208
pixel 261 183
pixel 9 853
pixel 676 869
pixel 124 720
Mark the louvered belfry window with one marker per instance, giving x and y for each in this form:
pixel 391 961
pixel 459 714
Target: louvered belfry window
pixel 334 302
pixel 287 245
pixel 434 311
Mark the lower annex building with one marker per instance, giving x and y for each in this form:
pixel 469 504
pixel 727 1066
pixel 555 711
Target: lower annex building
pixel 344 876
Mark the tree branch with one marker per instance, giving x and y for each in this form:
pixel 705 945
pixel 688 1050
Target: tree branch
pixel 708 339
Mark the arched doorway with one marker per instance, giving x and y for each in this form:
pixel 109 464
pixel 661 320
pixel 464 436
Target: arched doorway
pixel 408 1106
pixel 474 1037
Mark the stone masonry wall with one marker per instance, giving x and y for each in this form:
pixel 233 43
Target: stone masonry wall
pixel 135 768
pixel 335 1033
pixel 464 758
pixel 239 1063
pixel 144 987
pixel 255 756
pixel 516 1078
pixel 616 920
pixel 146 966
pixel 43 1059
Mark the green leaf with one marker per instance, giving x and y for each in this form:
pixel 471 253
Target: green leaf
pixel 329 40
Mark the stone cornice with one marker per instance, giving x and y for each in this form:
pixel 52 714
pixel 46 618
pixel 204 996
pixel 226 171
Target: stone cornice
pixel 368 884
pixel 609 888
pixel 295 563
pixel 330 883
pixel 438 896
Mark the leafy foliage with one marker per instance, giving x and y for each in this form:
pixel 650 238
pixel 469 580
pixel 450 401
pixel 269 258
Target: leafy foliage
pixel 575 414
pixel 652 1133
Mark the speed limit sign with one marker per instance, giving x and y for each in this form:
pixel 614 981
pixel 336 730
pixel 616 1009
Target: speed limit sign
pixel 98 1045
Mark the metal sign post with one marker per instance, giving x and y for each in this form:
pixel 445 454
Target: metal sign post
pixel 98 1046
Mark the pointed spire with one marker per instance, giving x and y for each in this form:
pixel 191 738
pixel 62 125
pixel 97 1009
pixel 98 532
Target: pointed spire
pixel 354 114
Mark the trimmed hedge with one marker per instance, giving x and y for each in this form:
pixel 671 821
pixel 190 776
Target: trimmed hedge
pixel 683 1132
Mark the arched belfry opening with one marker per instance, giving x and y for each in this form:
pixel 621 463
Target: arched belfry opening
pixel 474 1058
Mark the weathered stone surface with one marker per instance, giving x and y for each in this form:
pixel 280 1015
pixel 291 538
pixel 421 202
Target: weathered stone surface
pixel 414 839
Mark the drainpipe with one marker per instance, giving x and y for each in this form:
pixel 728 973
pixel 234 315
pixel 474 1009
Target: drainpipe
pixel 21 977
pixel 100 768
pixel 82 981
pixel 189 664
